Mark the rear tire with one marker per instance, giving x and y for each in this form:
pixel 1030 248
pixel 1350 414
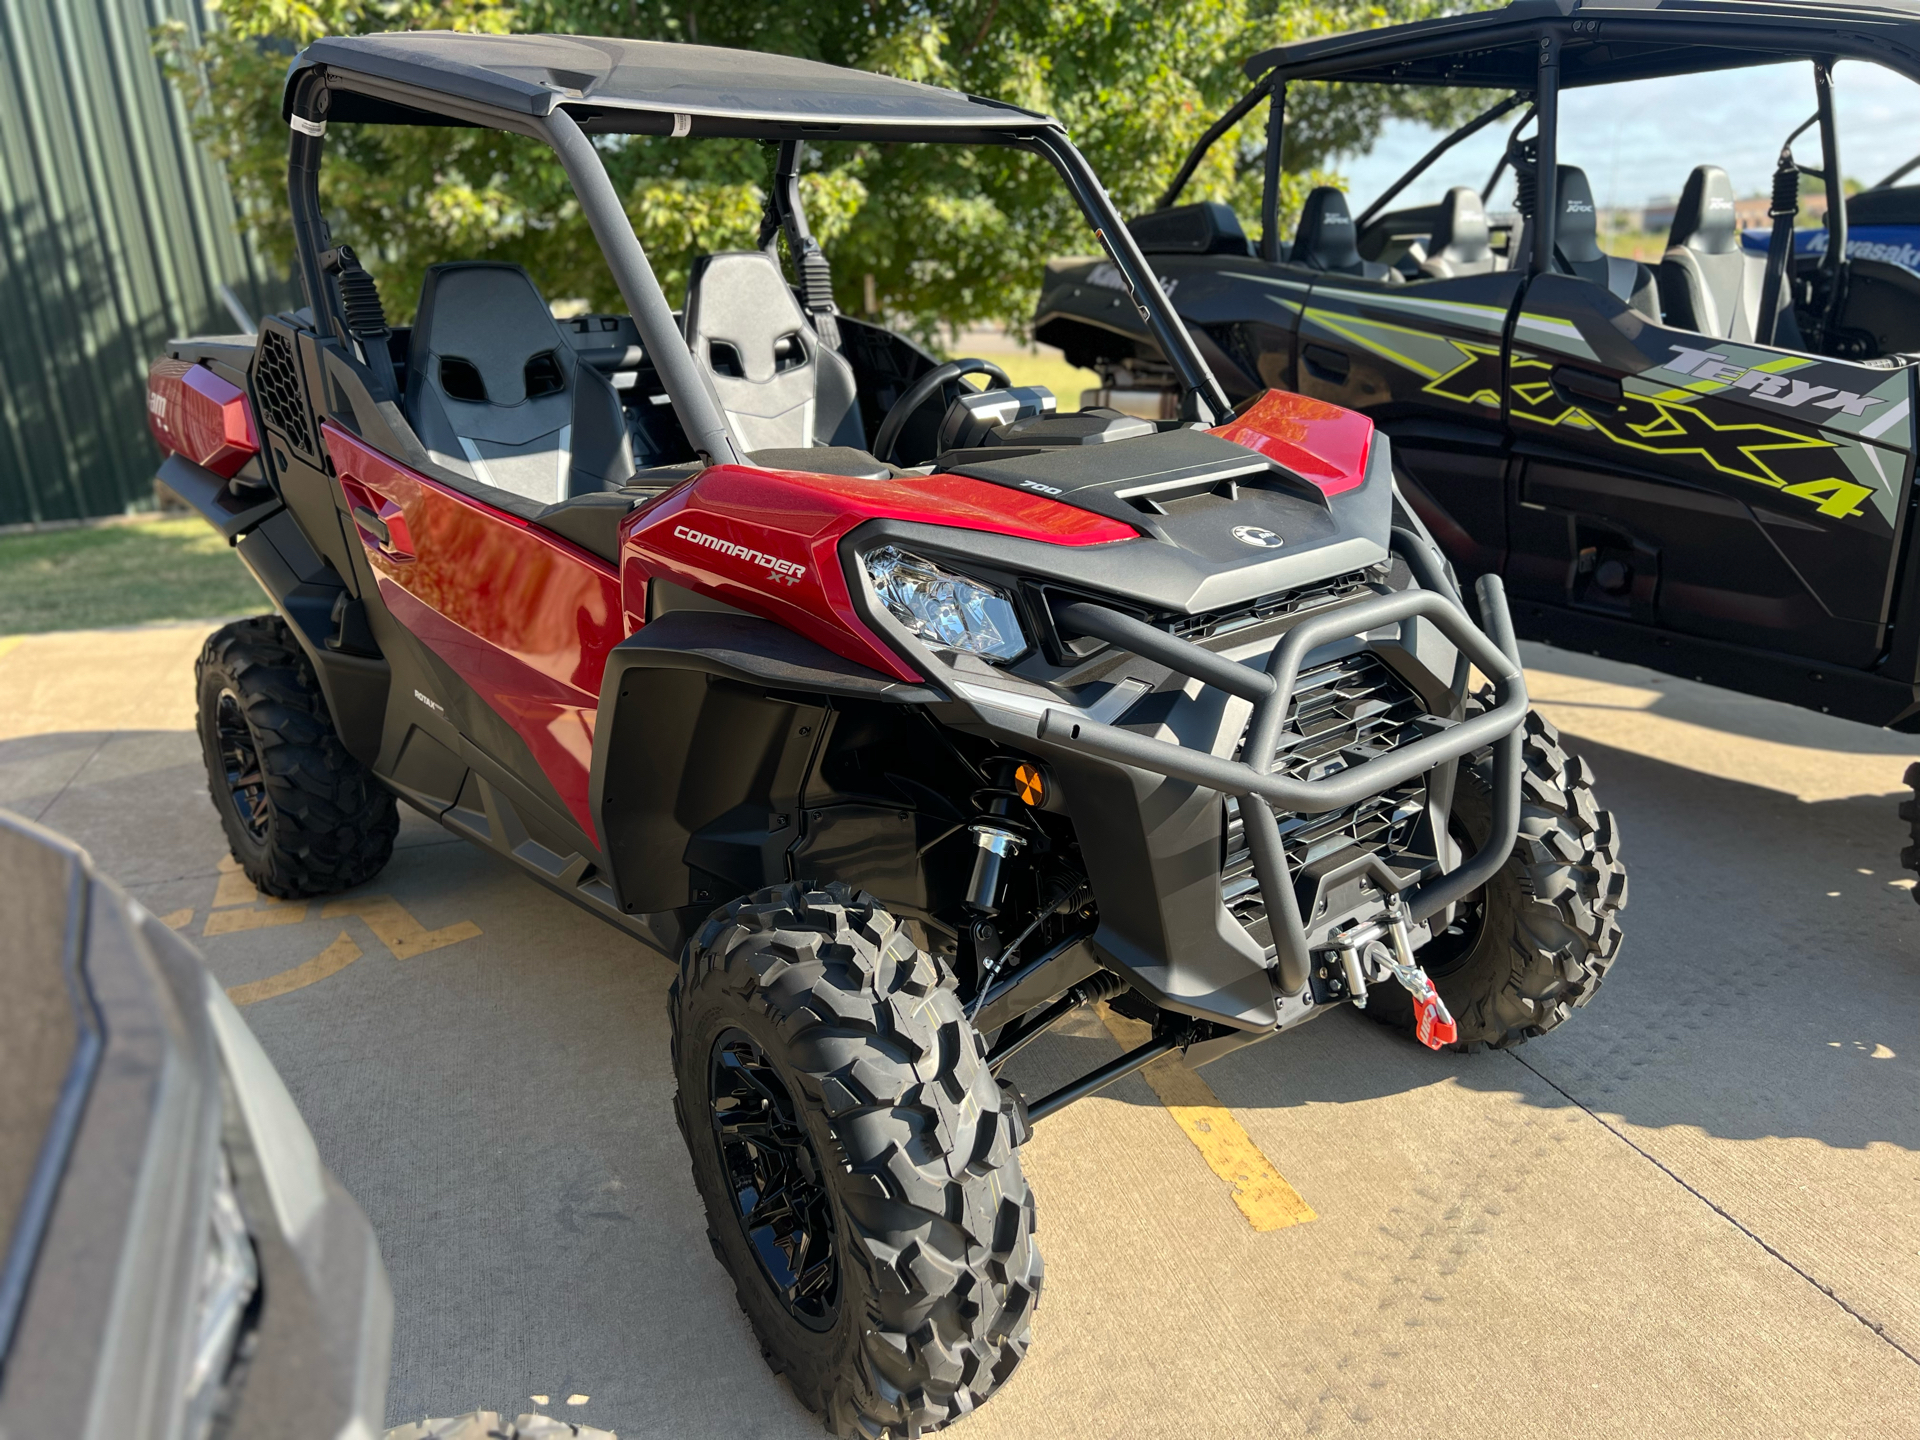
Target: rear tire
pixel 823 1058
pixel 302 816
pixel 1535 943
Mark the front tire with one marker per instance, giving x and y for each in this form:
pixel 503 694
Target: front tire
pixel 302 816
pixel 856 1158
pixel 1534 944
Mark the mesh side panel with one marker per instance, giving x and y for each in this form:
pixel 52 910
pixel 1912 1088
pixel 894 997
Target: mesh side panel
pixel 276 385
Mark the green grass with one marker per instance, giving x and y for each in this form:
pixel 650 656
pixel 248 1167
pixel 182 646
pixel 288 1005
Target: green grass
pixel 120 575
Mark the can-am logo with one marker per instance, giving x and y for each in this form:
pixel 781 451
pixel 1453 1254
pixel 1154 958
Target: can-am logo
pixel 1258 536
pixel 785 571
pixel 1766 385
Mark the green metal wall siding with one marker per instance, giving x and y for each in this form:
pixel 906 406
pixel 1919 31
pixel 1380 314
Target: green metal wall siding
pixel 116 232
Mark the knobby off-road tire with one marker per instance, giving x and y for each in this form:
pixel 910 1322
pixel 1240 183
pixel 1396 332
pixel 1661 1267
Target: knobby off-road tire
pixel 1910 812
pixel 911 1145
pixel 1538 940
pixel 306 818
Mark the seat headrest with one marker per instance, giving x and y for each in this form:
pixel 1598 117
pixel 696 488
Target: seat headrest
pixel 1207 228
pixel 1460 227
pixel 1578 235
pixel 1325 239
pixel 491 317
pixel 741 317
pixel 1704 219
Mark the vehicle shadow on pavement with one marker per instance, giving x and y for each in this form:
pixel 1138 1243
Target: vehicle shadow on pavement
pixel 1599 684
pixel 1749 1000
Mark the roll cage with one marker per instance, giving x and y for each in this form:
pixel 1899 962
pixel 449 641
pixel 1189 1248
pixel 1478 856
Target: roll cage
pixel 1537 49
pixel 562 92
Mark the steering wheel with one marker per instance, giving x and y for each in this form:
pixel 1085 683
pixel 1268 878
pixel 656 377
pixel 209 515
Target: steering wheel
pixel 922 390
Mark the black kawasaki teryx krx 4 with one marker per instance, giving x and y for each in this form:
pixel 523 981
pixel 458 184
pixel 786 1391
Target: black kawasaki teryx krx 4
pixel 910 716
pixel 1703 465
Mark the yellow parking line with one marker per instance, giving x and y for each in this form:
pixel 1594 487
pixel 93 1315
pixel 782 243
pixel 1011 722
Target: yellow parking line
pixel 234 887
pixel 394 928
pixel 330 961
pixel 278 912
pixel 1259 1189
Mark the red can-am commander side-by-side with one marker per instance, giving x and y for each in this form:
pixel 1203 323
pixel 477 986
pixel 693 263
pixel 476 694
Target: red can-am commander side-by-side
pixel 910 717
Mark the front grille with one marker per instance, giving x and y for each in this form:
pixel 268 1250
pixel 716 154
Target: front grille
pixel 1267 607
pixel 1344 712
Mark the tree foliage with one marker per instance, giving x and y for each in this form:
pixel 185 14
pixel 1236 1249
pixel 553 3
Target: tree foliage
pixel 950 236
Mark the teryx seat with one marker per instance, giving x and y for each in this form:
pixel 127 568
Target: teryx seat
pixel 1577 247
pixel 1708 281
pixel 781 388
pixel 497 395
pixel 1461 243
pixel 1325 239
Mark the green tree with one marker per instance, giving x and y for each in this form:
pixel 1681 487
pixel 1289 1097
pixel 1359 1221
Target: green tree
pixel 949 236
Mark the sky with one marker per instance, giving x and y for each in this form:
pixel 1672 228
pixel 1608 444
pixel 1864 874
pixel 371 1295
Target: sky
pixel 1638 141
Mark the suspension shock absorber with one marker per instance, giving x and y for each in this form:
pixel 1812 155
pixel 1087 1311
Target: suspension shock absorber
pixel 996 836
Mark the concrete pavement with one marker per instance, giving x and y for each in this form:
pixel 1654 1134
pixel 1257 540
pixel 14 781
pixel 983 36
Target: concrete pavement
pixel 1695 1210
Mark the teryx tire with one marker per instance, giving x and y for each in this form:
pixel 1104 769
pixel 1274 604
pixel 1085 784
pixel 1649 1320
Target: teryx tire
pixel 867 1089
pixel 1536 942
pixel 302 816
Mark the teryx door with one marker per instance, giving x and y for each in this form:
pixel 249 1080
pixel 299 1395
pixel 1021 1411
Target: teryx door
pixel 1732 491
pixel 1423 360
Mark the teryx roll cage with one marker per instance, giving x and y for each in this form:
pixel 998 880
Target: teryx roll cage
pixel 1538 48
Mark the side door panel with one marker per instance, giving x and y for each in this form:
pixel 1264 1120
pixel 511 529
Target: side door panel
pixel 1424 361
pixel 521 618
pixel 1730 491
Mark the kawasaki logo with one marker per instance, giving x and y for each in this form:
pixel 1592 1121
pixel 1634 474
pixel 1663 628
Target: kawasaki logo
pixel 785 571
pixel 1765 384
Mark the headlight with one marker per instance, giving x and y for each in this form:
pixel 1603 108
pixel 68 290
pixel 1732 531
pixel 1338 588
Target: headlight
pixel 946 609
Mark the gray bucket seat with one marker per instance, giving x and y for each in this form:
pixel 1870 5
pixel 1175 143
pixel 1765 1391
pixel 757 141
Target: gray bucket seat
pixel 1708 282
pixel 781 388
pixel 1576 245
pixel 497 395
pixel 1461 243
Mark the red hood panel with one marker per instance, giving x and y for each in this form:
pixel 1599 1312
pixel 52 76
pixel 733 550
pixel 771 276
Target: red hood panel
pixel 1313 438
pixel 768 541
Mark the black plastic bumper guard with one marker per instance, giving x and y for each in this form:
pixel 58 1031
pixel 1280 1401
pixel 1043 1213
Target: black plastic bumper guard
pixel 1271 692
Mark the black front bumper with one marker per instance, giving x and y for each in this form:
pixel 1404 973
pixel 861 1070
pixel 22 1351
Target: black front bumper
pixel 1180 960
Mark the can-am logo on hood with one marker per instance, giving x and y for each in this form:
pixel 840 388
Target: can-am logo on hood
pixel 1258 536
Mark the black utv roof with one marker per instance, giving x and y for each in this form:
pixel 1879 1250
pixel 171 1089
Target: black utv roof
pixel 1605 41
pixel 639 85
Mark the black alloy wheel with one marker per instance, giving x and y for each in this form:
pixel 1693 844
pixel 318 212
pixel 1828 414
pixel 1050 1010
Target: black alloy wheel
pixel 301 814
pixel 240 763
pixel 771 1168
